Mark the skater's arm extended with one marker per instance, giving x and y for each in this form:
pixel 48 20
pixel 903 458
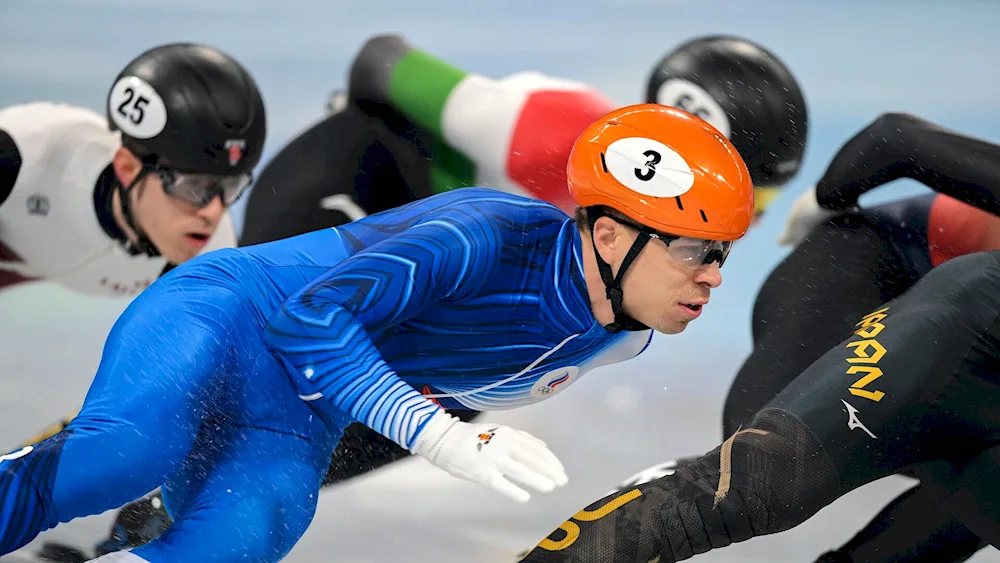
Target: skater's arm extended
pixel 389 70
pixel 323 334
pixel 899 145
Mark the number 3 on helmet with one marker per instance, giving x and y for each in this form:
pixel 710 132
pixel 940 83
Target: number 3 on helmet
pixel 663 168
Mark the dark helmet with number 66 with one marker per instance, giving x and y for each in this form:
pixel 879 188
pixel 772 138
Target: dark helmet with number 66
pixel 745 92
pixel 190 106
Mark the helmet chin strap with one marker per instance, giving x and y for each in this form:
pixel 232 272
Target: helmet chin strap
pixel 142 245
pixel 612 284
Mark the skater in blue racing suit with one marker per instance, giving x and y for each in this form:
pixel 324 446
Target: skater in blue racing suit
pixel 228 382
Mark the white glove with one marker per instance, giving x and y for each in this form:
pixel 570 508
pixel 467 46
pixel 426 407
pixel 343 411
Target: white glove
pixel 490 453
pixel 806 215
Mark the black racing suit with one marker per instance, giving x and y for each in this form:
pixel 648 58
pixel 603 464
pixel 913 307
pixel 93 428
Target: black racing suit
pixel 352 161
pixel 808 446
pixel 809 301
pixel 915 386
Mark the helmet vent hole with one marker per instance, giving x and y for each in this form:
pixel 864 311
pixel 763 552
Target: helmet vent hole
pixel 604 164
pixel 703 217
pixel 679 204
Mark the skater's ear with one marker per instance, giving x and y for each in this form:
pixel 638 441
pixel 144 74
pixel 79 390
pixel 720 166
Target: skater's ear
pixel 612 239
pixel 127 166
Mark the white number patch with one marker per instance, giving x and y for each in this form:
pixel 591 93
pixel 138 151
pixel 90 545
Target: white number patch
pixel 18 454
pixel 691 98
pixel 648 167
pixel 136 108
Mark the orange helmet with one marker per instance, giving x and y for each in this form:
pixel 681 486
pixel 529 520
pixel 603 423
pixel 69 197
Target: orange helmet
pixel 663 168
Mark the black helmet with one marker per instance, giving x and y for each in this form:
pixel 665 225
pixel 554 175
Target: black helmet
pixel 189 106
pixel 744 91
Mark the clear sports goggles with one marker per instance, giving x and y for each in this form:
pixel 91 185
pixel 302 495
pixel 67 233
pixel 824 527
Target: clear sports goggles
pixel 694 252
pixel 200 189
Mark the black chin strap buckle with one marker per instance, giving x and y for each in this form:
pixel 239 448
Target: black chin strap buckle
pixel 614 294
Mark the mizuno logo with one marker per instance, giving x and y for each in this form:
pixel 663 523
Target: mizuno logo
pixel 852 419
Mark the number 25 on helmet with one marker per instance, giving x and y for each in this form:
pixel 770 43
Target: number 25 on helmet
pixel 663 168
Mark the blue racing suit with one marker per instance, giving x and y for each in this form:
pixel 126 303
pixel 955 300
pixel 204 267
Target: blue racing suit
pixel 228 381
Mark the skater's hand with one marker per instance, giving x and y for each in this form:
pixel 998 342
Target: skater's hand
pixel 806 215
pixel 490 454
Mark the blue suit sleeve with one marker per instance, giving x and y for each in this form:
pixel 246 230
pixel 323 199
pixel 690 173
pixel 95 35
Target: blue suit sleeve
pixel 322 333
